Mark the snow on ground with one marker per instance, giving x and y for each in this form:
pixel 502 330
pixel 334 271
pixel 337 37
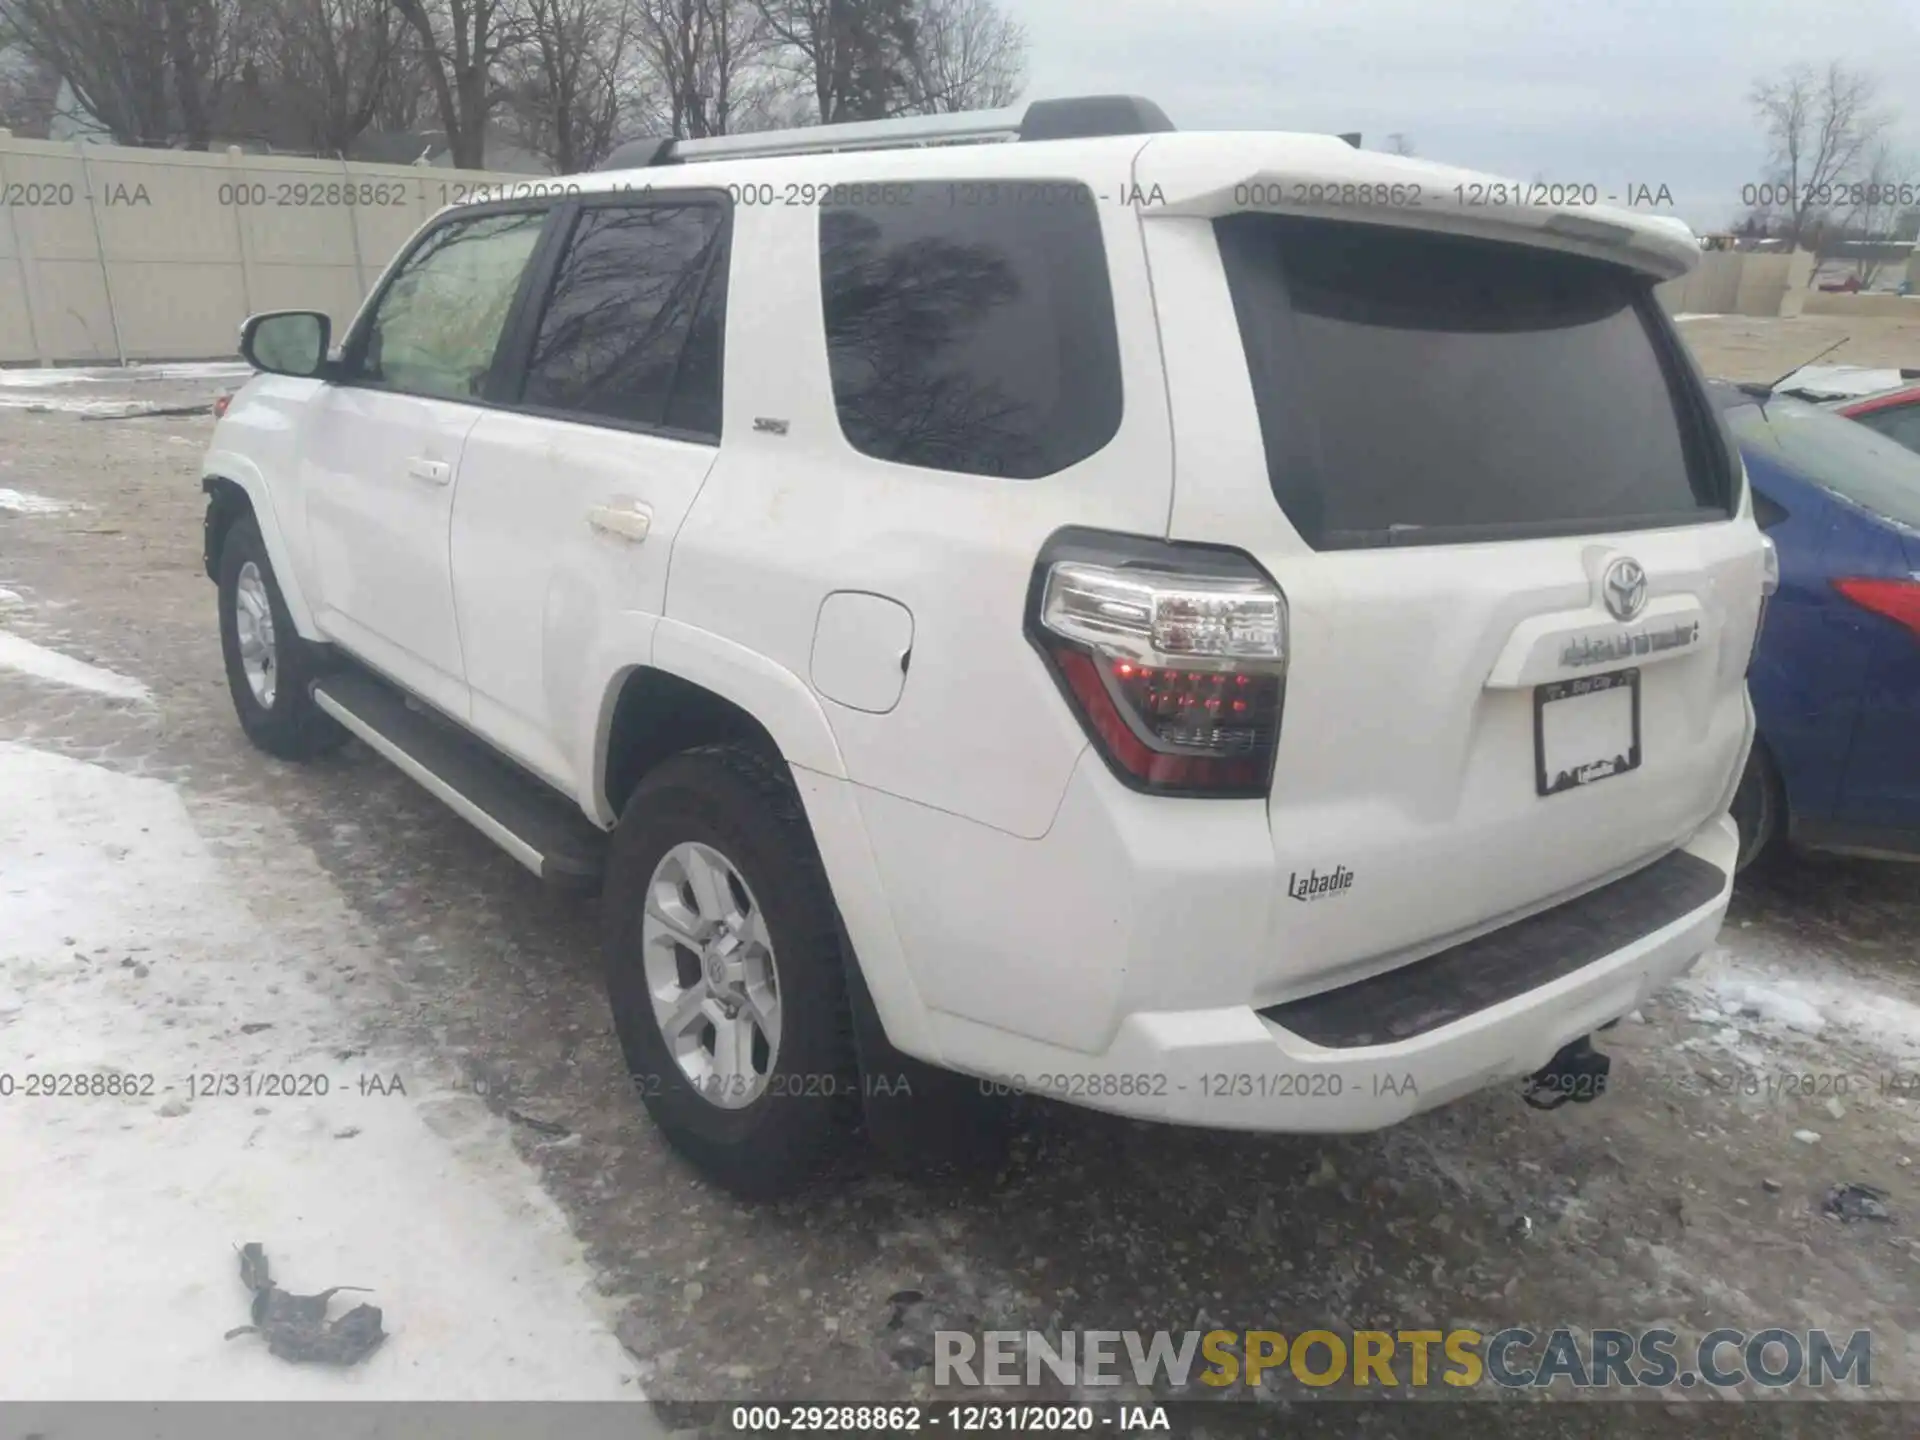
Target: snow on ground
pixel 108 409
pixel 1842 382
pixel 20 502
pixel 126 950
pixel 34 379
pixel 1804 1002
pixel 20 654
pixel 1703 315
pixel 11 597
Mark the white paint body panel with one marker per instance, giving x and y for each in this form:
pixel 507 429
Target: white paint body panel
pixel 1016 910
pixel 862 646
pixel 537 582
pixel 378 525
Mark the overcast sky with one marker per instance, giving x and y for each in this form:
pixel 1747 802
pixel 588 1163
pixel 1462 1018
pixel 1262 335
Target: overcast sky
pixel 1609 92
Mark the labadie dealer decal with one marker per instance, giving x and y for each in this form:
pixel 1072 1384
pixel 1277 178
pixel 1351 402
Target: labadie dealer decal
pixel 1315 886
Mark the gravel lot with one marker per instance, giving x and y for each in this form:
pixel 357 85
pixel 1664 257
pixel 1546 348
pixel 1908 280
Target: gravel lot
pixel 1683 1198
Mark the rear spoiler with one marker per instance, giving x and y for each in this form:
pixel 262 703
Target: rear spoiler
pixel 1320 176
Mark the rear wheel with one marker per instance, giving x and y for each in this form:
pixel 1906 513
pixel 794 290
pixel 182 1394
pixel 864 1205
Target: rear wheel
pixel 724 971
pixel 269 666
pixel 1759 809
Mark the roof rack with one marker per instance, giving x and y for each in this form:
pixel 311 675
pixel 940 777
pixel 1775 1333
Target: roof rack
pixel 1080 117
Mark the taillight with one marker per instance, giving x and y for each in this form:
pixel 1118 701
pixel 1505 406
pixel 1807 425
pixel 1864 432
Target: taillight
pixel 1898 600
pixel 220 403
pixel 1174 658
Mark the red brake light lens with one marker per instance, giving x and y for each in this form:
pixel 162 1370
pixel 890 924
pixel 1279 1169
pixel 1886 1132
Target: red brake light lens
pixel 1176 666
pixel 1898 600
pixel 220 403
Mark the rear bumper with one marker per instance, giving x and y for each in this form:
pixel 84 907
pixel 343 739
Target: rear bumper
pixel 1240 1068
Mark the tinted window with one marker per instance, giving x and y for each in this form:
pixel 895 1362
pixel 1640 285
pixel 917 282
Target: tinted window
pixel 1415 388
pixel 1900 423
pixel 1839 454
pixel 632 331
pixel 436 325
pixel 970 327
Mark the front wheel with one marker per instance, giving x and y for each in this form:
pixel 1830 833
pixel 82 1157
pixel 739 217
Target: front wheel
pixel 724 971
pixel 268 665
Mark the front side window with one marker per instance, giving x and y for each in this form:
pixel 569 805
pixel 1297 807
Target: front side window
pixel 633 330
pixel 436 325
pixel 970 327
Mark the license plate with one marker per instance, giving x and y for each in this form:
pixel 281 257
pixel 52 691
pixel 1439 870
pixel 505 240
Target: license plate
pixel 1585 730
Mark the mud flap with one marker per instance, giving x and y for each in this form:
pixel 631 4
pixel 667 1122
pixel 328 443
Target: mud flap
pixel 920 1117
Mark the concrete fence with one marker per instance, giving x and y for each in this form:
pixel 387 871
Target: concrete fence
pixel 110 253
pixel 1741 282
pixel 1877 305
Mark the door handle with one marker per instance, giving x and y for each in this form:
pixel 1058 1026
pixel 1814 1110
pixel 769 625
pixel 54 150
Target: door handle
pixel 434 472
pixel 630 523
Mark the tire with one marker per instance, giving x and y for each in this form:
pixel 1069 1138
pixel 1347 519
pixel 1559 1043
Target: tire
pixel 757 1115
pixel 1759 810
pixel 282 720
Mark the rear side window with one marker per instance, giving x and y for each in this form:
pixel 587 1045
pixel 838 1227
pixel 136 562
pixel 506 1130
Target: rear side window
pixel 1873 471
pixel 632 330
pixel 1423 389
pixel 970 327
pixel 1899 423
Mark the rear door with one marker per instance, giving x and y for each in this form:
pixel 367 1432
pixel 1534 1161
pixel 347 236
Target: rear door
pixel 1502 513
pixel 1870 584
pixel 605 424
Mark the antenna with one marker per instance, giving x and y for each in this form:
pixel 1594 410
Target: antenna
pixel 1765 391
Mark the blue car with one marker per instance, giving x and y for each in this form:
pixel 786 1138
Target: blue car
pixel 1836 676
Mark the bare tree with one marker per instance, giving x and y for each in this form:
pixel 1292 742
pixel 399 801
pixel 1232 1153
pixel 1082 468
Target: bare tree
pixel 1820 129
pixel 107 53
pixel 967 55
pixel 566 87
pixel 460 45
pixel 1399 143
pixel 707 59
pixel 28 91
pixel 1874 209
pixel 406 100
pixel 855 55
pixel 327 70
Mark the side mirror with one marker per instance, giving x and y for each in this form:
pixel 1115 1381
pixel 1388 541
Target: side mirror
pixel 287 342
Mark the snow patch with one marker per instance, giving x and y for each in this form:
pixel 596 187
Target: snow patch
pixel 1793 1002
pixel 20 502
pixel 1699 315
pixel 22 655
pixel 120 375
pixel 128 951
pixel 11 597
pixel 114 409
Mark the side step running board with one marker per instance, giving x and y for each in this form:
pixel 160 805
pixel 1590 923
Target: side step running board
pixel 525 817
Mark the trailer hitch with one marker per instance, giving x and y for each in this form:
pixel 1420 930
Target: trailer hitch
pixel 1578 1072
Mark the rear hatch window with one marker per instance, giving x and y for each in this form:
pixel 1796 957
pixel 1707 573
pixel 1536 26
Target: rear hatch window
pixel 1875 473
pixel 1425 389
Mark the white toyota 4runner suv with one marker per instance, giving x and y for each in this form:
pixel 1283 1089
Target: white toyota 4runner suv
pixel 1230 629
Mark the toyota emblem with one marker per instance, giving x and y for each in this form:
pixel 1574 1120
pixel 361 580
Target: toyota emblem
pixel 1624 588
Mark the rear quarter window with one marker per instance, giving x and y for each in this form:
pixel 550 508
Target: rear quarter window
pixel 970 326
pixel 1420 389
pixel 1860 465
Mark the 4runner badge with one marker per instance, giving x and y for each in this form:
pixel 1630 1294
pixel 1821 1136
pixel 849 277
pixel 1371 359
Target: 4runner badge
pixel 1317 886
